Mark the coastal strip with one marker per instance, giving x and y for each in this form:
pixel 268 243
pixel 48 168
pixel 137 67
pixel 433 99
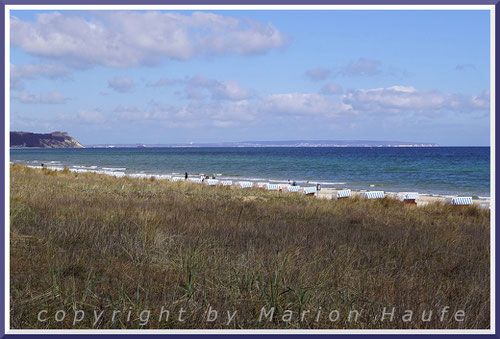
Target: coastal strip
pixel 321 193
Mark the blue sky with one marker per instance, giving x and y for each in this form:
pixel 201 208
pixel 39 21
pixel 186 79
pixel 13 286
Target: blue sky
pixel 211 76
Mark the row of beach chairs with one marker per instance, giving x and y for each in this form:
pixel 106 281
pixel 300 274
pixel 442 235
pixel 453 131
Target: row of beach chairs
pixel 208 182
pixel 277 187
pixel 408 197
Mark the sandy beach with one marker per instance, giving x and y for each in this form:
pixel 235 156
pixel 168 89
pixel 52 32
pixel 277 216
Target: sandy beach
pixel 423 200
pixel 323 193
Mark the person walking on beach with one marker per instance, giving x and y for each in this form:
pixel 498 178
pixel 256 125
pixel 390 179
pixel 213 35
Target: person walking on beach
pixel 186 175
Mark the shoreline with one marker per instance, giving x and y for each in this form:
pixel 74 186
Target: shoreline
pixel 445 173
pixel 423 200
pixel 328 193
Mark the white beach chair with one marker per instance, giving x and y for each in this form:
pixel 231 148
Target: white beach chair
pixel 343 194
pixel 461 201
pixel 118 174
pixel 309 190
pixel 245 184
pixel 211 182
pixel 195 180
pixel 293 188
pixel 408 197
pixel 226 183
pixel 411 196
pixel 262 184
pixel 177 179
pixel 284 187
pixel 374 195
pixel 272 187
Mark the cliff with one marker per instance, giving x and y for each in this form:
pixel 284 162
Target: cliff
pixel 49 140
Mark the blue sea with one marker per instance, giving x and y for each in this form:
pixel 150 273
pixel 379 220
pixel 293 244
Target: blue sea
pixel 431 170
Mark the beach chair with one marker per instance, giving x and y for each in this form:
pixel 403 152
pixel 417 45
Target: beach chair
pixel 262 185
pixel 195 180
pixel 342 194
pixel 409 197
pixel 284 187
pixel 211 182
pixel 226 183
pixel 118 174
pixel 309 190
pixel 272 187
pixel 374 195
pixel 293 188
pixel 461 201
pixel 177 179
pixel 245 184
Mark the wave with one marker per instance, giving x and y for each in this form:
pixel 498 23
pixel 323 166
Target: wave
pixel 85 167
pixel 326 183
pixel 122 172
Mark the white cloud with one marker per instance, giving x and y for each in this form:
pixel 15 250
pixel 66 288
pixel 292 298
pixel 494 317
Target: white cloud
pixel 404 100
pixel 219 114
pixel 44 98
pixel 128 38
pixel 481 101
pixel 376 105
pixel 230 90
pixel 225 90
pixel 34 71
pixel 340 110
pixel 121 85
pixel 394 100
pixel 232 112
pixel 305 104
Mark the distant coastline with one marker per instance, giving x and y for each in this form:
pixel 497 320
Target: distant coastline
pixel 281 143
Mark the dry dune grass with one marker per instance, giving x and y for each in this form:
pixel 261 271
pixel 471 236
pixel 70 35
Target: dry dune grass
pixel 96 243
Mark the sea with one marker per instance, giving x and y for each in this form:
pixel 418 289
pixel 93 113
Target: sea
pixel 443 171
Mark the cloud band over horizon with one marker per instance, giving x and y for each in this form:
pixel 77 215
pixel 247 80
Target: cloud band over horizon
pixel 190 73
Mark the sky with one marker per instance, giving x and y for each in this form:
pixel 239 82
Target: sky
pixel 157 77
